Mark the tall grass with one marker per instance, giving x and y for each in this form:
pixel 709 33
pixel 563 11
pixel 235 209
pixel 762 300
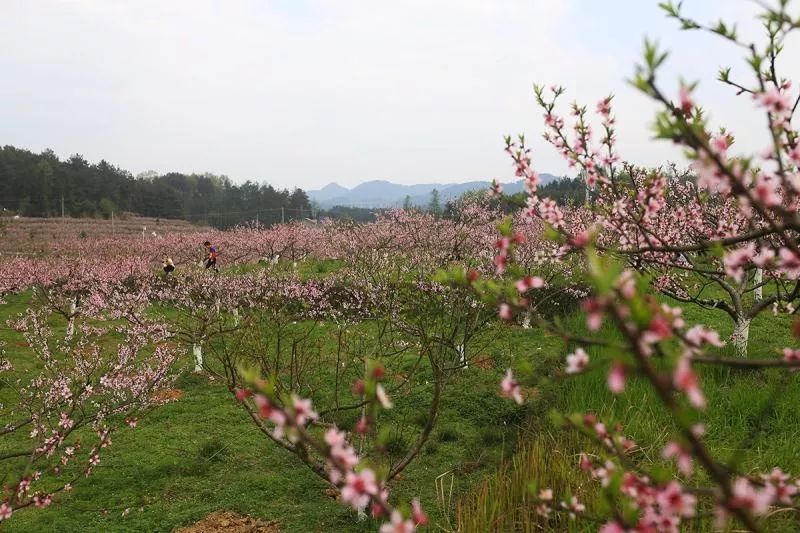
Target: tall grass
pixel 507 499
pixel 752 420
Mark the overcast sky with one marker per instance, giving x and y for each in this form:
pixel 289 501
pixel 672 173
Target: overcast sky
pixel 304 92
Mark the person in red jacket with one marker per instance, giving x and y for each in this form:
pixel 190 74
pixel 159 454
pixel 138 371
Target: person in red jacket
pixel 211 256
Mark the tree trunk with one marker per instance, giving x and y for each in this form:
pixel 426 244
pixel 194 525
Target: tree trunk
pixel 758 278
pixel 235 316
pixel 526 322
pixel 73 310
pixel 740 336
pixel 197 351
pixel 462 355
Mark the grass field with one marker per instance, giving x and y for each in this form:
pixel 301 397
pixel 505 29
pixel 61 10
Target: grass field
pixel 751 414
pixel 201 453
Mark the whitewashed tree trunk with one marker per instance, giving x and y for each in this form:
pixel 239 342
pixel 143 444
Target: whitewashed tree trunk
pixel 462 355
pixel 740 336
pixel 526 321
pixel 73 309
pixel 197 351
pixel 758 278
pixel 235 316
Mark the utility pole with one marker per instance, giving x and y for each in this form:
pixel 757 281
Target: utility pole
pixel 114 231
pixel 256 218
pixel 282 217
pixel 62 206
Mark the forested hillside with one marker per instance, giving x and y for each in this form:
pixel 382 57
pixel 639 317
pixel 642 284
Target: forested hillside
pixel 42 185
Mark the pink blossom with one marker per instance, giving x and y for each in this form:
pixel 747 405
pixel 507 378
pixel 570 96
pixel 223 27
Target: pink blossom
pixel 776 102
pixel 698 335
pixel 612 527
pixel 397 524
pixel 302 410
pixel 604 107
pixel 5 511
pixel 626 284
pixel 767 190
pixel 784 492
pixel 764 258
pixel 510 388
pixel 734 261
pixel 529 282
pixel 790 262
pixel 685 379
pixel 573 507
pixel 747 496
pixel 682 457
pixel 359 488
pixel 720 143
pixel 334 437
pixel 616 378
pixel 658 330
pixel 594 313
pixel 42 501
pixel 500 262
pixel 673 500
pixel 577 361
pixel 242 394
pixel 794 155
pixel 685 98
pixel 418 515
pixel 383 398
pixel 505 311
pixel 791 355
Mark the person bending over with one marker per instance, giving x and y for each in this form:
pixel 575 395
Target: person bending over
pixel 211 256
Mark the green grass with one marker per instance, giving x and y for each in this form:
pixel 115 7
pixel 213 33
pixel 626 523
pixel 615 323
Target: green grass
pixel 752 419
pixel 202 453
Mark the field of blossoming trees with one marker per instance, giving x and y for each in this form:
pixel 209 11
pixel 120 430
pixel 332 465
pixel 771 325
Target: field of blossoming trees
pixel 622 365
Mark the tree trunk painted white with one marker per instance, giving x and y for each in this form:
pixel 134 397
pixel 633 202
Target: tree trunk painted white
pixel 526 321
pixel 235 316
pixel 462 355
pixel 197 351
pixel 758 278
pixel 73 309
pixel 740 336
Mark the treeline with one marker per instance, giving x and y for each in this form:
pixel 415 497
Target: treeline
pixel 565 191
pixel 42 185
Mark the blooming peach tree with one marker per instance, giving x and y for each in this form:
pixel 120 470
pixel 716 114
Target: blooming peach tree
pixel 734 222
pixel 63 404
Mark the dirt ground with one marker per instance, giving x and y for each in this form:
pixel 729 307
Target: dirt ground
pixel 229 521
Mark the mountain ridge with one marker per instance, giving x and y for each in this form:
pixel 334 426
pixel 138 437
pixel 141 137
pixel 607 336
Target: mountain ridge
pixel 382 193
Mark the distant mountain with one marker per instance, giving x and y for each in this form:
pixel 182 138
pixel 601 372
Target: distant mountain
pixel 380 193
pixel 330 191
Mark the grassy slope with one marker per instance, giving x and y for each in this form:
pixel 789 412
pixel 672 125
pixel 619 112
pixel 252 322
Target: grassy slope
pixel 752 416
pixel 200 454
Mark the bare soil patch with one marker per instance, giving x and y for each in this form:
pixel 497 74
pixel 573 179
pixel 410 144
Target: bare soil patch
pixel 231 522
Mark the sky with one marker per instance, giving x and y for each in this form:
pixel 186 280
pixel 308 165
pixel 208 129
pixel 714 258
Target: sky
pixel 307 92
